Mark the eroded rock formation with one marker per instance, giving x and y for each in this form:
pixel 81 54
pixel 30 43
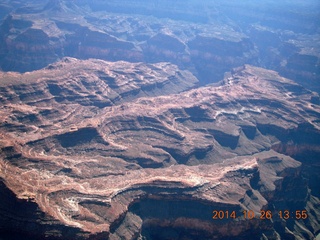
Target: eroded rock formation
pixel 208 38
pixel 130 149
pixel 157 166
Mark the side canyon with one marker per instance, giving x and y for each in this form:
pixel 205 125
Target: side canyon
pixel 135 120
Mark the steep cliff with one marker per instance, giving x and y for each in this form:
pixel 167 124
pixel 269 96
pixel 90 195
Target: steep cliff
pixel 206 38
pixel 158 167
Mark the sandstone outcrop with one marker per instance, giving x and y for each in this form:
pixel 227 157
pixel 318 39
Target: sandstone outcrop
pixel 131 149
pixel 93 83
pixel 158 166
pixel 208 39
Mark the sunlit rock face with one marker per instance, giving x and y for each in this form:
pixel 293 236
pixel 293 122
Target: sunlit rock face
pixel 206 38
pixel 159 119
pixel 129 162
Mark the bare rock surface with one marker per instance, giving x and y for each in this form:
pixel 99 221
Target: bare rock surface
pixel 158 166
pixel 207 38
pixel 93 82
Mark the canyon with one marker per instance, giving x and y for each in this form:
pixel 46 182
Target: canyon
pixel 207 39
pixel 142 164
pixel 159 120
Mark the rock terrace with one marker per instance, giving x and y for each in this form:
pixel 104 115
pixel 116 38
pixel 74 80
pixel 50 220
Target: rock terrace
pixel 100 167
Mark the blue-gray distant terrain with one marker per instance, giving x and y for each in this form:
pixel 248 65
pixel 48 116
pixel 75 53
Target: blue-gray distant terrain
pixel 159 119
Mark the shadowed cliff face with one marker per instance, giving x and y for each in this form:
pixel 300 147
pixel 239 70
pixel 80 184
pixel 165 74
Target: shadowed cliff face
pixel 156 161
pixel 103 134
pixel 207 38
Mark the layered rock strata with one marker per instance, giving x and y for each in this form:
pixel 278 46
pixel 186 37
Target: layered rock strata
pixel 206 38
pixel 134 169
